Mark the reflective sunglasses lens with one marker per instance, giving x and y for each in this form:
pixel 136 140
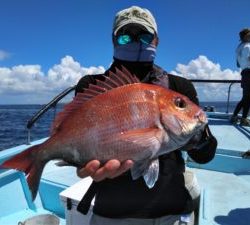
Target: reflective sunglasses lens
pixel 146 38
pixel 123 39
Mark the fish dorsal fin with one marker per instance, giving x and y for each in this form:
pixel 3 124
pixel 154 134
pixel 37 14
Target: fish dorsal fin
pixel 114 80
pixel 68 110
pixel 117 79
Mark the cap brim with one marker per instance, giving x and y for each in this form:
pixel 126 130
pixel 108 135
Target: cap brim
pixel 149 29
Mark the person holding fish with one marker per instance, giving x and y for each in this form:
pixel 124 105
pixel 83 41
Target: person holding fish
pixel 154 192
pixel 127 129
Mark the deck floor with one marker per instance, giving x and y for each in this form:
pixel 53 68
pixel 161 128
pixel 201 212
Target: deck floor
pixel 234 138
pixel 226 198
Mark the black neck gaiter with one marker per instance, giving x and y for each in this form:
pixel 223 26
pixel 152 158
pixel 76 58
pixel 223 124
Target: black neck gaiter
pixel 140 69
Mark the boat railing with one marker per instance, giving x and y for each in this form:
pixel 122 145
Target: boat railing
pixel 230 82
pixel 54 101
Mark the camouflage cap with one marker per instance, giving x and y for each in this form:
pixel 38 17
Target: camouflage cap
pixel 135 15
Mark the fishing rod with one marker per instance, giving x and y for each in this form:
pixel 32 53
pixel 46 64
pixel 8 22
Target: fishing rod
pixel 51 104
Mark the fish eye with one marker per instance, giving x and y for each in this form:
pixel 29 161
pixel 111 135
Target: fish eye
pixel 180 103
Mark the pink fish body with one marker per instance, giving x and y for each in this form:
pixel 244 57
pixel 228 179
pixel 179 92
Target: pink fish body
pixel 119 118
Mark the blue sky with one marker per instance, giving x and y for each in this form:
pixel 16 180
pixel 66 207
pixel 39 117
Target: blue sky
pixel 48 45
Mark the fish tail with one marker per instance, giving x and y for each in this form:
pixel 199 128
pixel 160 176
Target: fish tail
pixel 31 164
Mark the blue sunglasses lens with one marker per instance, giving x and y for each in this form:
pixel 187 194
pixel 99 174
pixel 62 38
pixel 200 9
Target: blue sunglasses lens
pixel 146 38
pixel 124 39
pixel 143 38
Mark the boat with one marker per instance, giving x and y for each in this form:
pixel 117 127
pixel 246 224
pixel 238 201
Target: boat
pixel 224 182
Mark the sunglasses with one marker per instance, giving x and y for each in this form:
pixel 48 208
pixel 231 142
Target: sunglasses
pixel 124 39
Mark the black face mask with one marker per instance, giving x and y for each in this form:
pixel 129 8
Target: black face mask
pixel 135 52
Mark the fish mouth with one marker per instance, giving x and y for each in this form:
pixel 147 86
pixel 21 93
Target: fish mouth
pixel 201 117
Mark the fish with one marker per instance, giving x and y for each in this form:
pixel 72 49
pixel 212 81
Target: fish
pixel 116 118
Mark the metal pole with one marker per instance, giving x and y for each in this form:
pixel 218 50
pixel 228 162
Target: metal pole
pixel 28 140
pixel 228 96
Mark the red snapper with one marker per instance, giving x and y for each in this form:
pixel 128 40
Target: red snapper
pixel 119 118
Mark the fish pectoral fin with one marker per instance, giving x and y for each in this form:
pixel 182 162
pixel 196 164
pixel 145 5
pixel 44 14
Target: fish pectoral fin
pixel 152 173
pixel 139 169
pixel 147 138
pixel 148 141
pixel 149 170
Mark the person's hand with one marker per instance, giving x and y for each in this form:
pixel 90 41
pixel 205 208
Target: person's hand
pixel 111 169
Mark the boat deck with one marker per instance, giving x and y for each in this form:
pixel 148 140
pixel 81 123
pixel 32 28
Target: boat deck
pixel 230 137
pixel 225 183
pixel 225 198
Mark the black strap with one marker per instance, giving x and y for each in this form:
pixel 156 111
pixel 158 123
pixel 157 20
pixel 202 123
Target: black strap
pixel 84 204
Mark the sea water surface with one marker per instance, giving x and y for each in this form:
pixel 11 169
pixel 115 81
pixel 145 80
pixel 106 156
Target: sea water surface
pixel 13 124
pixel 14 118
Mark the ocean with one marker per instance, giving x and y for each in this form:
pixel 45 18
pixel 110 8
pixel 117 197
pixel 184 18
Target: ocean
pixel 14 118
pixel 13 122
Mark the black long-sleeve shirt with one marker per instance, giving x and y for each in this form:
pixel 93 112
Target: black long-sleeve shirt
pixel 123 197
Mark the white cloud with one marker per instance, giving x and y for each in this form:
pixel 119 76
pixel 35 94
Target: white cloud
pixel 21 79
pixel 28 84
pixel 4 55
pixel 203 68
pixel 68 72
